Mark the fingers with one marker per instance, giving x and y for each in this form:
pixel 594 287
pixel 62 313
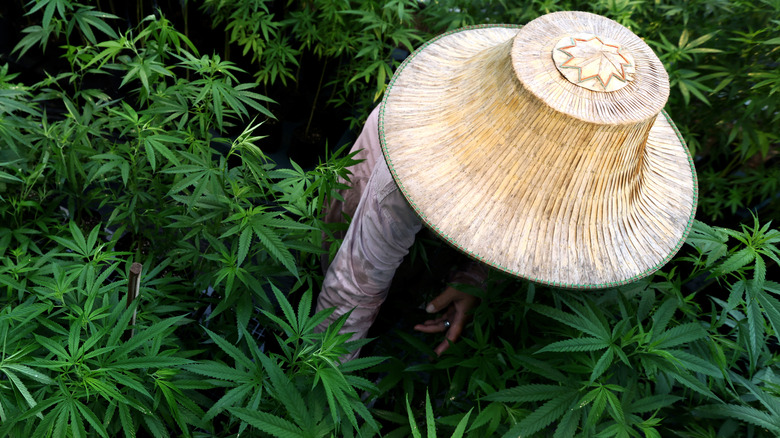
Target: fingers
pixel 442 300
pixel 452 335
pixel 436 325
pixel 441 348
pixel 431 326
pixel 458 305
pixel 457 321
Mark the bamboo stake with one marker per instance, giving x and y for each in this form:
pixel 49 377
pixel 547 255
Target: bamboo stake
pixel 133 288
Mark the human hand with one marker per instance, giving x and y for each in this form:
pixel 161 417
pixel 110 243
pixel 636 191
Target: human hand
pixel 456 306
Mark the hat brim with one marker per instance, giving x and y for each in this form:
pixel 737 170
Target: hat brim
pixel 465 160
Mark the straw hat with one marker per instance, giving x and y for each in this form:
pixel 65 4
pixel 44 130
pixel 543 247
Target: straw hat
pixel 543 150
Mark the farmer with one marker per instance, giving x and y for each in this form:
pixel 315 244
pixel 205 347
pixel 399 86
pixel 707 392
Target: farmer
pixel 540 151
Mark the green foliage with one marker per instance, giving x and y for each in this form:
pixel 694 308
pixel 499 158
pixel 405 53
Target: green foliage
pixel 721 57
pixel 291 397
pixel 655 358
pixel 95 179
pixel 430 422
pixel 141 149
pixel 354 39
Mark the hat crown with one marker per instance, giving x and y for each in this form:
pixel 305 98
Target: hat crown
pixel 591 68
pixel 594 62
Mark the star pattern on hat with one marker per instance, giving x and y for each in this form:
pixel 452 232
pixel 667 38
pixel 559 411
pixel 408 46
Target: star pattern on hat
pixel 595 59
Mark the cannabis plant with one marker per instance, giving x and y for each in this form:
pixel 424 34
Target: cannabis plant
pixel 145 168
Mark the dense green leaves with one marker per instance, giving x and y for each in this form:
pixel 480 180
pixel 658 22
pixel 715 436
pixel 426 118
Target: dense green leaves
pixel 133 174
pixel 164 168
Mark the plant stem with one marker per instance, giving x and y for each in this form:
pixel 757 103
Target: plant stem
pixel 338 69
pixel 185 12
pixel 730 167
pixel 316 97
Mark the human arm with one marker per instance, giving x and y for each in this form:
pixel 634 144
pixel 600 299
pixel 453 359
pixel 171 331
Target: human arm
pixel 380 235
pixel 456 306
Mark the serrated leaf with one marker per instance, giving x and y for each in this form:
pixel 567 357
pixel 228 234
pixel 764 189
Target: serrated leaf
pixel 696 364
pixel 288 329
pixel 360 383
pixel 286 392
pixel 681 334
pixel 91 418
pixel 129 382
pixel 744 413
pixel 759 272
pixel 156 141
pixel 536 366
pixel 275 246
pixel 243 246
pixel 361 363
pixel 287 309
pixel 652 403
pixel 156 426
pixel 334 385
pixel 144 335
pixel 78 238
pixel 232 397
pixel 602 364
pixel 150 154
pixel 230 349
pixel 106 389
pixel 616 408
pixel 526 393
pixel 429 421
pixel 576 322
pixel 29 372
pixel 219 371
pixel 546 414
pixel 688 380
pixel 764 395
pixel 771 308
pixel 189 180
pixel 149 362
pixel 21 388
pixel 61 424
pixel 460 429
pixel 412 422
pixel 738 290
pixel 736 261
pixel 491 414
pixel 599 404
pixel 126 420
pixel 304 308
pixel 578 344
pixel 567 427
pixel 755 323
pixel 663 315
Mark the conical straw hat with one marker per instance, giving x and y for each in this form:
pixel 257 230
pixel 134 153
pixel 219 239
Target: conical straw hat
pixel 543 150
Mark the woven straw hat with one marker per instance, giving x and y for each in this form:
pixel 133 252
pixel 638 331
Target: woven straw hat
pixel 543 150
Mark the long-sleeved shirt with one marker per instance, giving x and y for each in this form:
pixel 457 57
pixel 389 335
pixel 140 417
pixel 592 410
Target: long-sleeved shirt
pixel 382 230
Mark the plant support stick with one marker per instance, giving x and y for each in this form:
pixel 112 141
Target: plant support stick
pixel 133 286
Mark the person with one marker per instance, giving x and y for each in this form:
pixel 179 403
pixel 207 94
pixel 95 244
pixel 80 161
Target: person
pixel 379 236
pixel 542 151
